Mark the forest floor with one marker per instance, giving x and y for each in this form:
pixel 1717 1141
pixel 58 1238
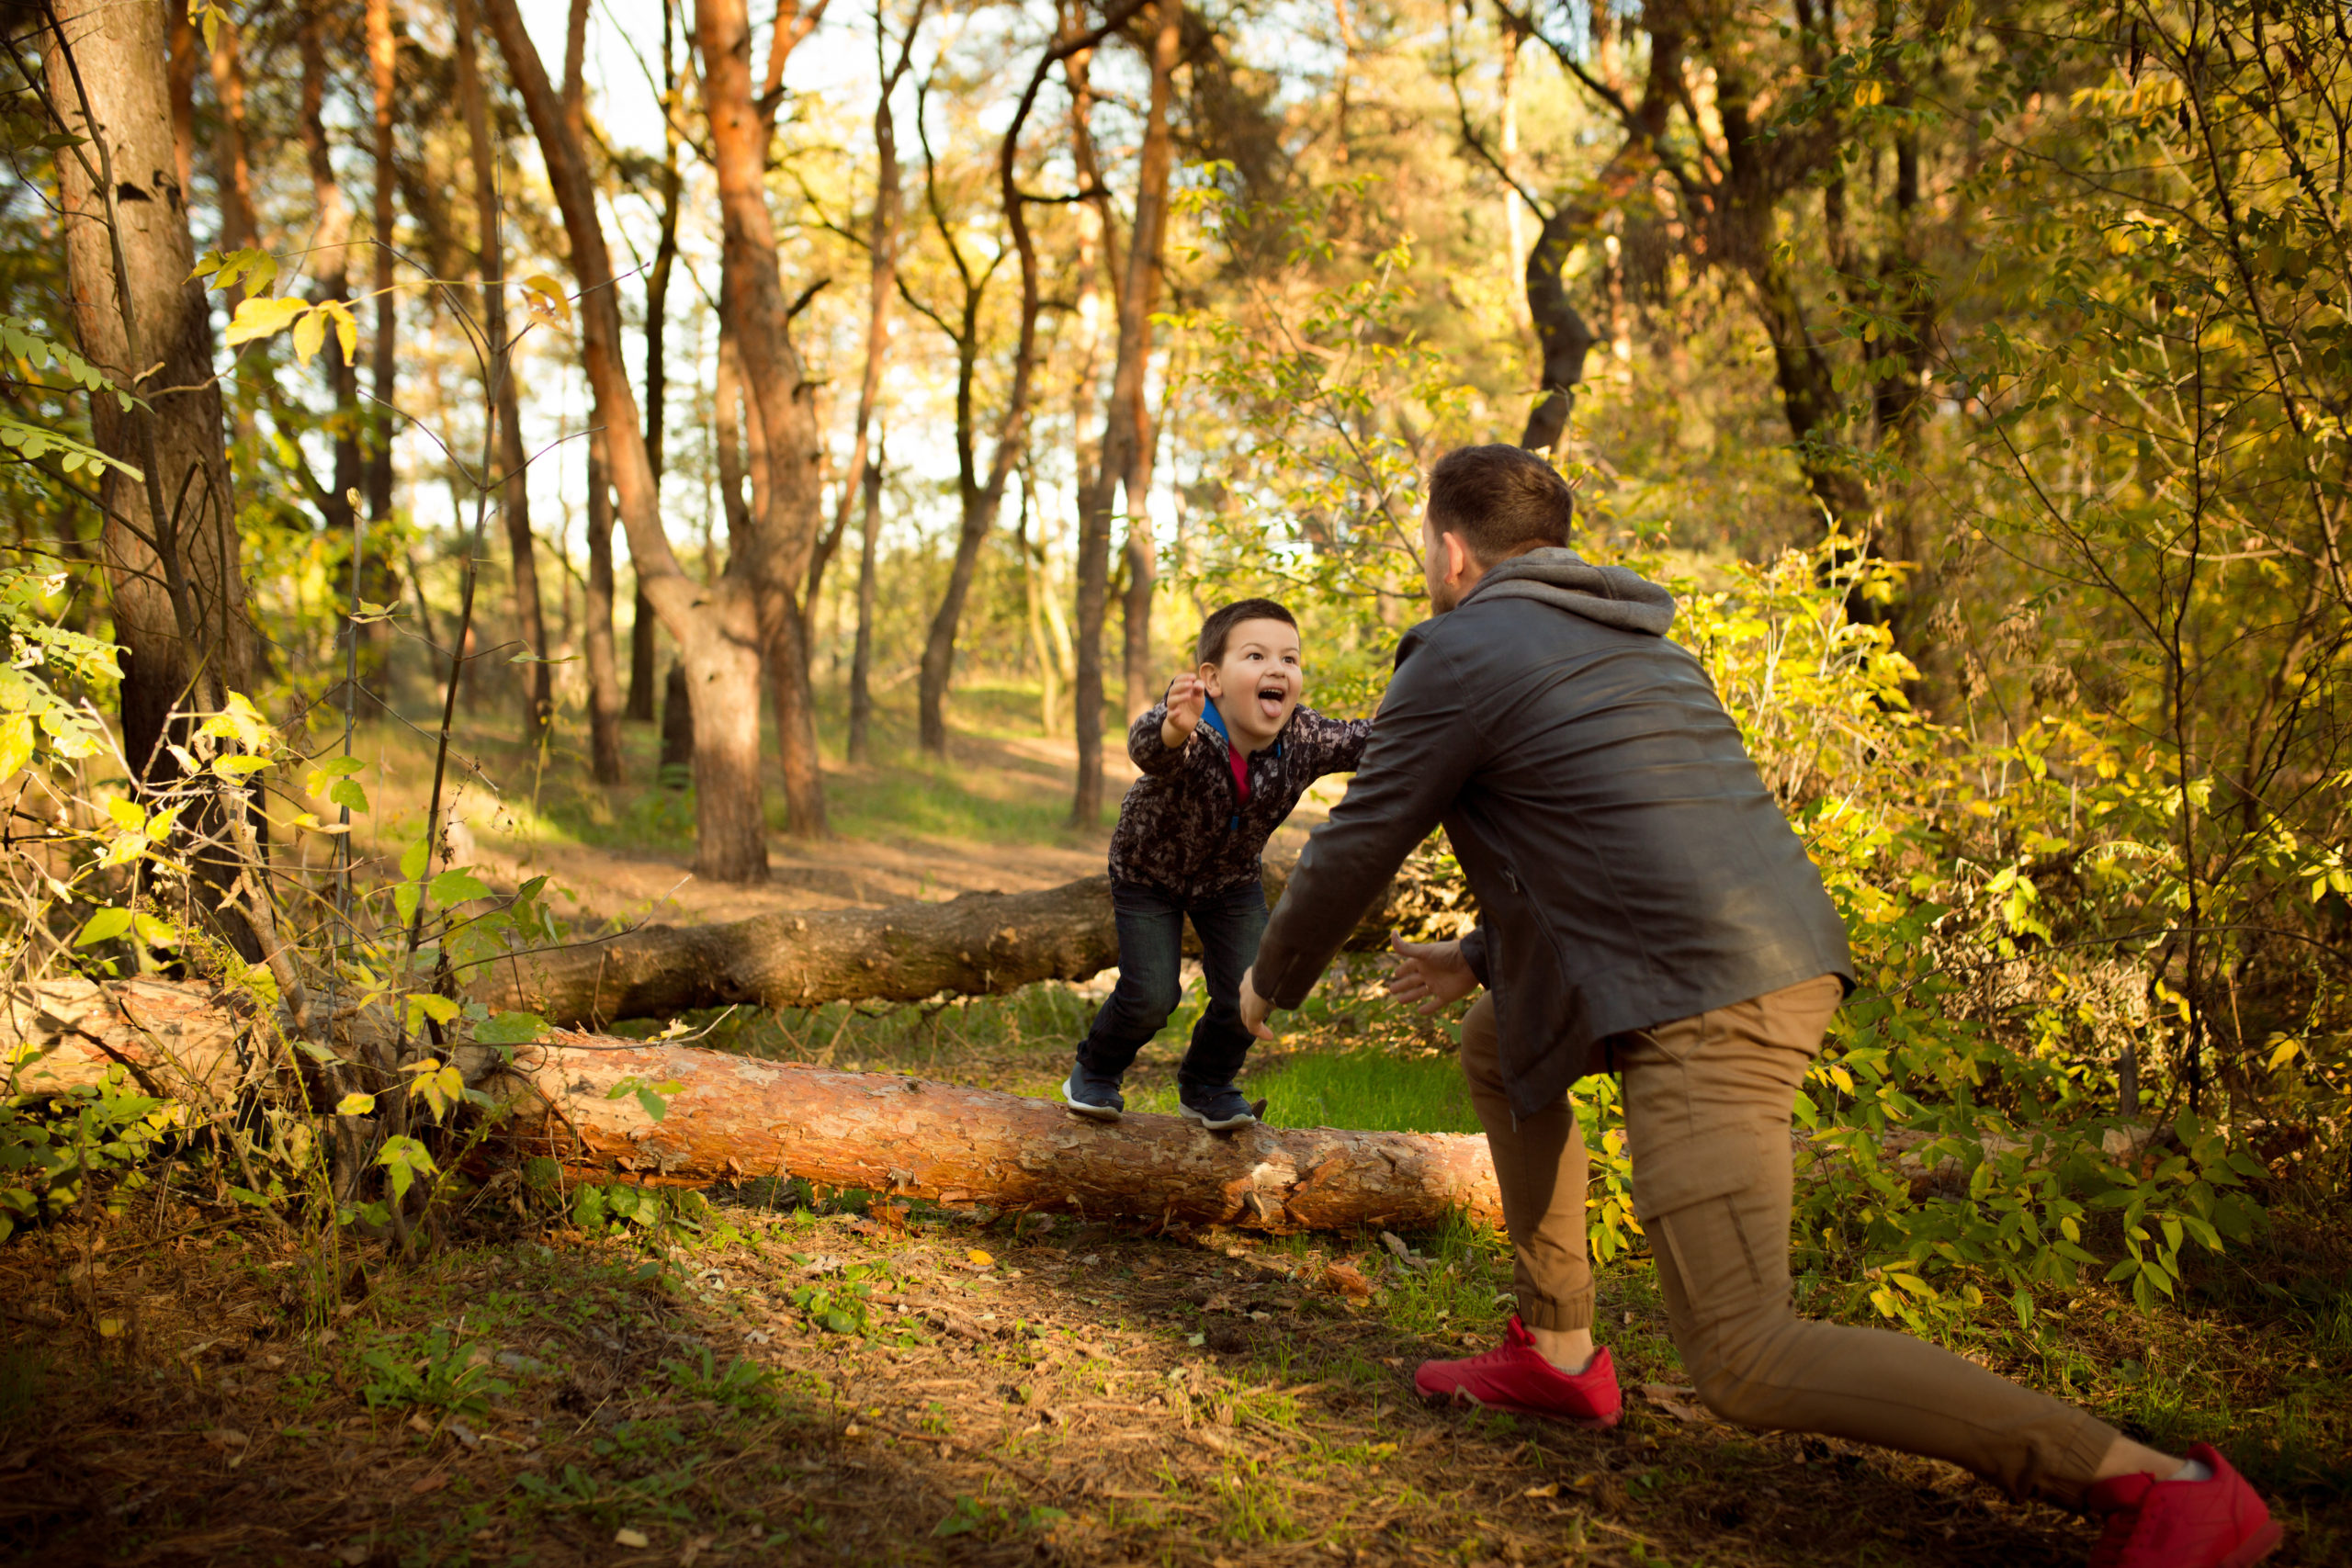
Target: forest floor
pixel 770 1375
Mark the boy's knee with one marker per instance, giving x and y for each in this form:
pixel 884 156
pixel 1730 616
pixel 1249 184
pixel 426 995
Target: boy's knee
pixel 1151 1001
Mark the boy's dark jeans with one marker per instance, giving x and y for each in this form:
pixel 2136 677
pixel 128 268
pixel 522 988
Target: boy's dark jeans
pixel 1152 938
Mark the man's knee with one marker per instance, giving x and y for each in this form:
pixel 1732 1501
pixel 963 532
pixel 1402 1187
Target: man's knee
pixel 1727 1365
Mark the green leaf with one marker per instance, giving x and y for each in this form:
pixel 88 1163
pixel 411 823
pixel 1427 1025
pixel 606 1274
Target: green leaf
pixel 512 1028
pixel 457 887
pixel 404 1159
pixel 653 1104
pixel 413 860
pixel 104 926
pixel 347 792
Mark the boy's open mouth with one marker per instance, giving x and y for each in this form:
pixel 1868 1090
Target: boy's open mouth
pixel 1270 699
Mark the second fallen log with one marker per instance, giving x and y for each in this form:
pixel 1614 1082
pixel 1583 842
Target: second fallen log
pixel 979 944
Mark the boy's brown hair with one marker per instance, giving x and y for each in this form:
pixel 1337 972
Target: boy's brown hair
pixel 1218 631
pixel 1499 501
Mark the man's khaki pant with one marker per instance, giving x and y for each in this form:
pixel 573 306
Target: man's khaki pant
pixel 1707 1104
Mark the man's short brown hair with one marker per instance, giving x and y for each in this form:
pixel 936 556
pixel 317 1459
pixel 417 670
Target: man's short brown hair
pixel 1500 501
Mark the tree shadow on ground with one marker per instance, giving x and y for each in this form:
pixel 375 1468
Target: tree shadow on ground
pixel 776 1385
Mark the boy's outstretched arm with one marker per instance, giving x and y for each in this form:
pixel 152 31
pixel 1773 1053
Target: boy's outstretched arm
pixel 1155 739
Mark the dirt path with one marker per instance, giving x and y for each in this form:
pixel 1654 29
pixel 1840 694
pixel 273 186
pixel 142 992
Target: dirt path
pixel 1089 1396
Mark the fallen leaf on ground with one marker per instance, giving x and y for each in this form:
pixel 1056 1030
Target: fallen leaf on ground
pixel 1679 1403
pixel 1346 1279
pixel 1549 1489
pixel 630 1537
pixel 429 1484
pixel 979 1259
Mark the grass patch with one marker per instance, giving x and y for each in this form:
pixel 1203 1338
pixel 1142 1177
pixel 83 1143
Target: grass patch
pixel 1372 1092
pixel 912 793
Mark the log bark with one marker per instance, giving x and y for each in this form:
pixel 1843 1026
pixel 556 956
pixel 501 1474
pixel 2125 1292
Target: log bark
pixel 737 1118
pixel 979 944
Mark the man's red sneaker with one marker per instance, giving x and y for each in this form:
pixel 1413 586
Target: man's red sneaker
pixel 2182 1524
pixel 1516 1378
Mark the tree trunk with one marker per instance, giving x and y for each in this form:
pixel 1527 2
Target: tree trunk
pixel 1559 330
pixel 180 82
pixel 716 627
pixel 863 477
pixel 330 264
pixel 1137 298
pixel 677 731
pixel 604 680
pixel 979 944
pixel 644 657
pixel 780 398
pixel 734 1118
pixel 642 650
pixel 1086 699
pixel 1123 422
pixel 1037 589
pixel 233 167
pixel 861 663
pixel 179 601
pixel 381 59
pixel 514 494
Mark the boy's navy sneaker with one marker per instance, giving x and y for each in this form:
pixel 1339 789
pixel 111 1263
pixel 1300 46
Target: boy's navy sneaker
pixel 1094 1095
pixel 1220 1109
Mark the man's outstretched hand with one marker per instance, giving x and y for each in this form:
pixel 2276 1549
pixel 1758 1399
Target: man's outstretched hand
pixel 1186 697
pixel 1254 1007
pixel 1431 973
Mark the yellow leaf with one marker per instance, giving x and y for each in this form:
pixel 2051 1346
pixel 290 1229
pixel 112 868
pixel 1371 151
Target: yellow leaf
pixel 356 1105
pixel 16 742
pixel 310 334
pixel 347 330
pixel 259 318
pixel 979 1259
pixel 126 816
pixel 545 294
pixel 110 1327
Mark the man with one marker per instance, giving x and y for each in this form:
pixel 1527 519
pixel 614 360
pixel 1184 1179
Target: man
pixel 1645 910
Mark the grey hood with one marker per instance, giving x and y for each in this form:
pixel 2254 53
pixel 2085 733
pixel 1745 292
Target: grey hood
pixel 1559 577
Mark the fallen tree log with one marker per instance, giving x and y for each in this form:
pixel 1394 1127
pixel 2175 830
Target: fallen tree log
pixel 979 944
pixel 570 1098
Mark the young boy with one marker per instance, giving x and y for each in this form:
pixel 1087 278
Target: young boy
pixel 1225 756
